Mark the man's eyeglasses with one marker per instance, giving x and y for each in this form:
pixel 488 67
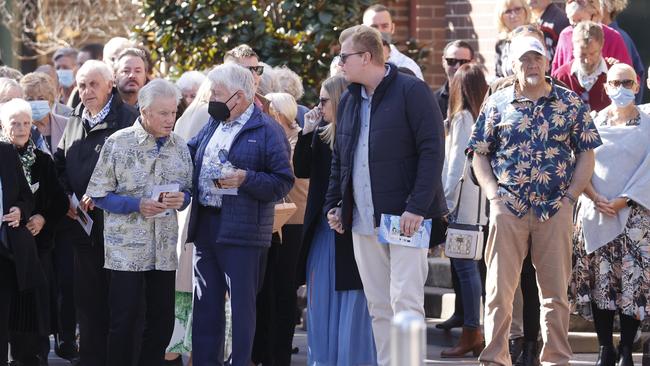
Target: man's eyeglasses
pixel 456 61
pixel 322 101
pixel 514 11
pixel 627 83
pixel 259 70
pixel 343 57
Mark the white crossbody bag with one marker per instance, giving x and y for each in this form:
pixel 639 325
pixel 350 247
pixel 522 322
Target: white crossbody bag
pixel 465 241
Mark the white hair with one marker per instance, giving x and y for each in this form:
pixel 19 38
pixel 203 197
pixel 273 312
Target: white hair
pixel 7 87
pixel 234 78
pixel 157 88
pixel 190 80
pixel 289 82
pixel 95 66
pixel 284 104
pixel 13 108
pixel 113 47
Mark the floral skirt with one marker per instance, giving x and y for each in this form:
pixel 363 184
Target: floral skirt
pixel 617 275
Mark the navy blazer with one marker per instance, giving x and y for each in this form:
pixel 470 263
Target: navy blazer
pixel 406 150
pixel 262 149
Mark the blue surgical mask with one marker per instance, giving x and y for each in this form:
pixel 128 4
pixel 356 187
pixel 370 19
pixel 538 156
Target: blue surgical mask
pixel 40 109
pixel 621 96
pixel 66 78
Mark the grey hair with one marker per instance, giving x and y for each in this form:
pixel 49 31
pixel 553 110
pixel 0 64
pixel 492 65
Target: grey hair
pixel 65 52
pixel 234 78
pixel 190 80
pixel 14 107
pixel 157 88
pixel 289 82
pixel 268 80
pixel 98 66
pixel 7 85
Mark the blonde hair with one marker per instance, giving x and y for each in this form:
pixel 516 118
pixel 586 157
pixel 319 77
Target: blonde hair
pixel 284 104
pixel 334 86
pixel 366 39
pixel 37 83
pixel 501 7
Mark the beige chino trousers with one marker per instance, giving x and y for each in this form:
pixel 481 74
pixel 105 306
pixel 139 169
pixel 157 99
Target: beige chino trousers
pixel 506 250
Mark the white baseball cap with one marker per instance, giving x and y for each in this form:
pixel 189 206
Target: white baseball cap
pixel 520 45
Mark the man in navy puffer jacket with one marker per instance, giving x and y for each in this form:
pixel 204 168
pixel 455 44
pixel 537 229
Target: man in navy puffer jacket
pixel 387 159
pixel 239 150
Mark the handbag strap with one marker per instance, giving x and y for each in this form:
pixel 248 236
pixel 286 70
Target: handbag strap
pixel 460 194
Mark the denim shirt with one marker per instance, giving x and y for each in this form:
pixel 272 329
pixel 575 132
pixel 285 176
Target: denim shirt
pixel 212 162
pixel 533 146
pixel 363 218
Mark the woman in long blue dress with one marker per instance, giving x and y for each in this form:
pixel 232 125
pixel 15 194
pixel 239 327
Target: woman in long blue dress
pixel 339 331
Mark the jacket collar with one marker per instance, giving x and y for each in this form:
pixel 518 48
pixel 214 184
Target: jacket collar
pixel 111 118
pixel 355 88
pixel 142 135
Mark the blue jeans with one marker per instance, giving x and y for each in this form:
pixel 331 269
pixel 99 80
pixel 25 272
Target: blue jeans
pixel 470 287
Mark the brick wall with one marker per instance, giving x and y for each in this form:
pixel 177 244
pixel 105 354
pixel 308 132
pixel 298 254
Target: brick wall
pixel 433 23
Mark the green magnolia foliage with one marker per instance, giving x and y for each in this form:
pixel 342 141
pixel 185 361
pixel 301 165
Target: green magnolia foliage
pixel 195 34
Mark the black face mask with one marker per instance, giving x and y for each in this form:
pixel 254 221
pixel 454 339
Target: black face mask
pixel 219 110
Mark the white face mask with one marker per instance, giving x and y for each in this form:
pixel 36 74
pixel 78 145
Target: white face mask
pixel 40 109
pixel 621 96
pixel 66 78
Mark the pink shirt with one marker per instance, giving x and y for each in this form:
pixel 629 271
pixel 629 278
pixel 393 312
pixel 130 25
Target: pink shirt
pixel 614 46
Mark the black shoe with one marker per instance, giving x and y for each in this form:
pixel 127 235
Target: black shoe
pixel 625 356
pixel 178 361
pixel 66 350
pixel 515 347
pixel 529 355
pixel 453 322
pixel 606 356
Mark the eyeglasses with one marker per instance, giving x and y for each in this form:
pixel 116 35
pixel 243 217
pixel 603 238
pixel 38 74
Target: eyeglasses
pixel 322 101
pixel 456 61
pixel 259 70
pixel 627 83
pixel 513 11
pixel 343 57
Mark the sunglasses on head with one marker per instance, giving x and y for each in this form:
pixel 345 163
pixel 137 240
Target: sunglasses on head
pixel 627 83
pixel 259 70
pixel 343 57
pixel 455 61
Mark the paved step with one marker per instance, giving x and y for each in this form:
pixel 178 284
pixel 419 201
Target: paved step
pixel 439 272
pixel 581 342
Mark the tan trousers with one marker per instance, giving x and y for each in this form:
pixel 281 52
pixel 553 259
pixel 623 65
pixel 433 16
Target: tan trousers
pixel 393 278
pixel 506 250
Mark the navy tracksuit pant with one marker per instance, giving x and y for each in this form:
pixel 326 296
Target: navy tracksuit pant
pixel 219 268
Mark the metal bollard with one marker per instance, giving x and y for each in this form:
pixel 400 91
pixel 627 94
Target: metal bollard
pixel 408 339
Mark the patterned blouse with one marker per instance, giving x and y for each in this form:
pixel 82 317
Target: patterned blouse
pixel 131 164
pixel 216 158
pixel 533 146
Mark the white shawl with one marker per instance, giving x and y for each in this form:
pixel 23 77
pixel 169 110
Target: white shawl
pixel 622 170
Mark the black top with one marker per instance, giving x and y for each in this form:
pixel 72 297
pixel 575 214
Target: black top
pixel 442 97
pixel 50 201
pixel 16 192
pixel 79 150
pixel 311 159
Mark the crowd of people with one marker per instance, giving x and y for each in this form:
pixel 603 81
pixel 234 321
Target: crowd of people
pixel 140 215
